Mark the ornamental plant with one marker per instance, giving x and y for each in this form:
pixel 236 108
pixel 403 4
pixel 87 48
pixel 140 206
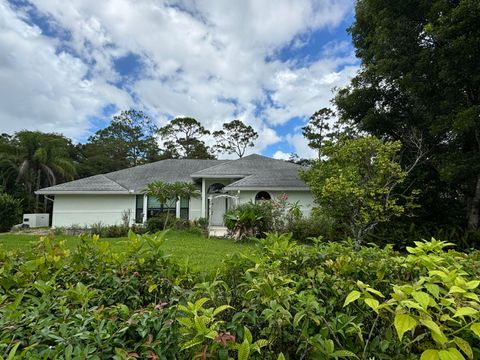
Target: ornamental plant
pixel 439 313
pixel 356 181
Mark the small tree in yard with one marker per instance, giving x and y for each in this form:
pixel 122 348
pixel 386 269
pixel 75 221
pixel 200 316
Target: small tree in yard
pixel 357 181
pixel 165 192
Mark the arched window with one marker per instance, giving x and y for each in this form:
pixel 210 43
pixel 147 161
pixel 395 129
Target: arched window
pixel 215 188
pixel 262 196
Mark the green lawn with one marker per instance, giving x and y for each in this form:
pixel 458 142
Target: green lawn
pixel 200 252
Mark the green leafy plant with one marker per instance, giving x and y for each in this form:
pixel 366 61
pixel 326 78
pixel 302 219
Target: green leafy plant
pixel 440 311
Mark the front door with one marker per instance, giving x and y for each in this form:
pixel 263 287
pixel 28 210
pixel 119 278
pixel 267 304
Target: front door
pixel 219 206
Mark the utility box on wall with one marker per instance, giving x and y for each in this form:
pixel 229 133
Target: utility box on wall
pixel 36 220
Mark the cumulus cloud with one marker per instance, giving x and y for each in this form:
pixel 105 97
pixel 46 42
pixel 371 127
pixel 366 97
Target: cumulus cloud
pixel 280 155
pixel 42 88
pixel 205 59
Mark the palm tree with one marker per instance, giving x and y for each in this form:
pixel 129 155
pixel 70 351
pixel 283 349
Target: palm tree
pixel 165 192
pixel 43 160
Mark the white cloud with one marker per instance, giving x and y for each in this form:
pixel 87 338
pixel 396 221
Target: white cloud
pixel 41 88
pixel 280 155
pixel 298 142
pixel 194 56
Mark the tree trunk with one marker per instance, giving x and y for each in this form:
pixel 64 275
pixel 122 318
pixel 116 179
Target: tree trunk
pixel 474 211
pixel 37 197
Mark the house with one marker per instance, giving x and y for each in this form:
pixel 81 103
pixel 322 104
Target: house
pixel 110 198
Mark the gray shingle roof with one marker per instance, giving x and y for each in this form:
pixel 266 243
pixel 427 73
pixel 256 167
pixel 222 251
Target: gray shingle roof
pixel 135 178
pixel 253 171
pixel 258 172
pixel 278 180
pixel 97 183
pixel 249 165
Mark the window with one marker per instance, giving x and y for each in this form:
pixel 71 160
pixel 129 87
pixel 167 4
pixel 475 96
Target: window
pixel 139 209
pixel 215 188
pixel 184 208
pixel 262 196
pixel 156 208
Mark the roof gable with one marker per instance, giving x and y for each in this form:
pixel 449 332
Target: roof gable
pixel 248 165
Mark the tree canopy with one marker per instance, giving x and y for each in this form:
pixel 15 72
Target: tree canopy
pixel 316 130
pixel 235 137
pixel 420 79
pixel 129 140
pixel 182 139
pixel 356 183
pixel 33 160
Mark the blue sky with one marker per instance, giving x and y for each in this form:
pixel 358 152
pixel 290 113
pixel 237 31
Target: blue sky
pixel 68 66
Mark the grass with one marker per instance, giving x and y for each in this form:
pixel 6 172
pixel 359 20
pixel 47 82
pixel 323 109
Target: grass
pixel 201 253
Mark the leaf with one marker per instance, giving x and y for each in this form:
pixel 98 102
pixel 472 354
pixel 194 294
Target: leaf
pixel 186 322
pixel 199 303
pixel 472 284
pixel 354 295
pixel 404 323
pixel 298 317
pixel 376 292
pixel 261 343
pixel 219 309
pixel 68 352
pixel 281 356
pixel 373 303
pixel 422 298
pixel 476 328
pixel 201 324
pixel 472 296
pixel 450 354
pixel 244 351
pixel 247 334
pixel 329 346
pixel 430 354
pixel 465 311
pixel 439 338
pixel 343 354
pixel 433 289
pixel 464 346
pixel 11 354
pixel 431 325
pixel 456 289
pixel 191 343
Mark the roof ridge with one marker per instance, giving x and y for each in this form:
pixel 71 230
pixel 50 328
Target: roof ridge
pixel 214 166
pixel 159 161
pixel 106 177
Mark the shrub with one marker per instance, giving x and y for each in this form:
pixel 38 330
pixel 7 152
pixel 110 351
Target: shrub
pixel 138 229
pixel 115 231
pixel 157 223
pixel 249 219
pixel 10 211
pixel 202 223
pixel 317 301
pixel 317 225
pixel 405 234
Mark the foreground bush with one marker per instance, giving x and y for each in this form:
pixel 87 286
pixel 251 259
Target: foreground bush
pixel 286 300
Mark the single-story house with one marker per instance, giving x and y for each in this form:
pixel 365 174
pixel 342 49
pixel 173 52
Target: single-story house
pixel 223 184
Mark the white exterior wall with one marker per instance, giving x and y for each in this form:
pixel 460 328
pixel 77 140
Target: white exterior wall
pixel 85 210
pixel 304 198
